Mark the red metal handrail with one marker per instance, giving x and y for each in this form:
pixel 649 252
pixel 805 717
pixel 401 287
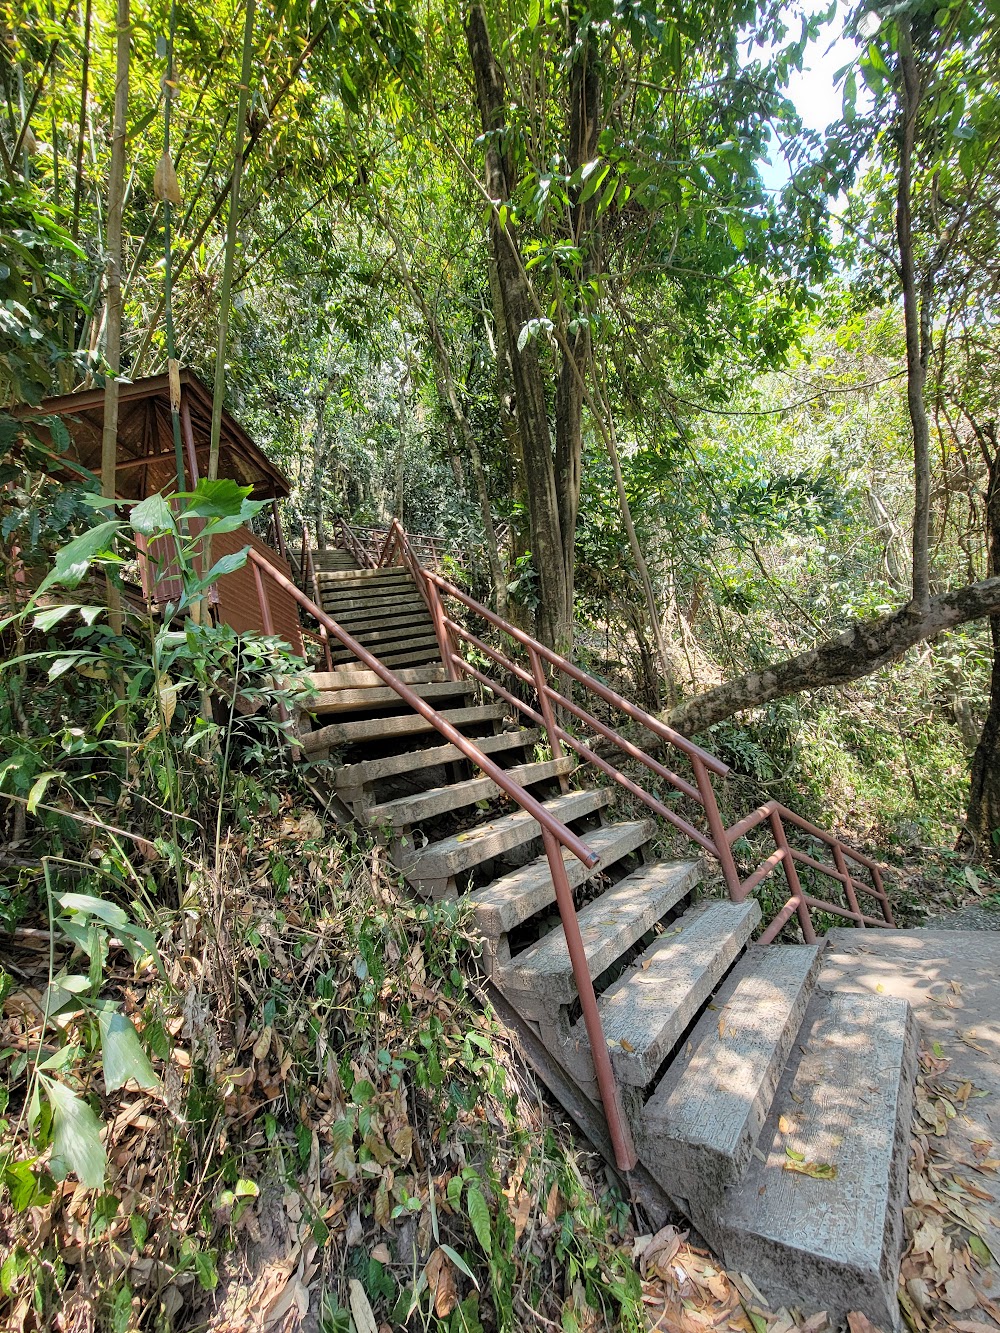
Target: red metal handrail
pixel 556 837
pixel 719 840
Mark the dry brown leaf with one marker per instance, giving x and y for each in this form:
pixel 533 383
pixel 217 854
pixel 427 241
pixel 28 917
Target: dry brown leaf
pixel 440 1275
pixel 660 1251
pixel 860 1323
pixel 553 1204
pixel 960 1294
pixel 364 1315
pixel 381 1254
pixel 521 1214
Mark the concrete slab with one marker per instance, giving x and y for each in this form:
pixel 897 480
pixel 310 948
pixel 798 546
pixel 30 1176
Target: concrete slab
pixel 952 980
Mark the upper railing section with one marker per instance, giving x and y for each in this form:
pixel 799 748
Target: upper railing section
pixel 847 885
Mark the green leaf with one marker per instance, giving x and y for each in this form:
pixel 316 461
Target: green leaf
pixel 204 1266
pixel 981 1250
pixel 87 904
pixel 460 1264
pixel 122 1053
pixel 534 13
pixel 152 516
pixel 736 233
pixel 19 1181
pixel 479 1216
pixel 226 565
pixel 223 498
pixel 38 789
pixel 73 561
pixel 76 1137
pixel 52 615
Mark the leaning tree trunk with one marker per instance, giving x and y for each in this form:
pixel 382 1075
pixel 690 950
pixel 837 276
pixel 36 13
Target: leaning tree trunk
pixel 554 617
pixel 983 816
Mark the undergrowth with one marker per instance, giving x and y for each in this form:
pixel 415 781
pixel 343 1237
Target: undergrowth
pixel 246 1078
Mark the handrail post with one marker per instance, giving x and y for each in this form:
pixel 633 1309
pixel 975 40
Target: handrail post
pixel 792 875
pixel 445 644
pixel 840 862
pixel 618 1127
pixel 545 705
pixel 717 829
pixel 266 619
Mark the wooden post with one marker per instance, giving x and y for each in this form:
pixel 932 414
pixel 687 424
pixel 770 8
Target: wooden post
pixel 280 536
pixel 445 644
pixel 792 875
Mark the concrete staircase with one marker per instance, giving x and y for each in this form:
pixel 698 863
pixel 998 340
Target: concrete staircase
pixel 773 1114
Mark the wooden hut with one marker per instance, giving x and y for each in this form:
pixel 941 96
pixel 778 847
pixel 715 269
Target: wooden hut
pixel 146 464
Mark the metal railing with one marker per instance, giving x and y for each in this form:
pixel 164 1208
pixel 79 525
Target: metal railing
pixel 550 705
pixel 557 838
pixel 848 865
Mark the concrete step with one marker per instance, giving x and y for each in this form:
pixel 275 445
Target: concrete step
pixel 384 696
pixel 350 600
pixel 392 647
pixel 339 592
pixel 462 851
pixel 363 621
pixel 387 728
pixel 609 925
pixel 415 657
pixel 365 577
pixel 350 776
pixel 389 635
pixel 645 1012
pixel 360 679
pixel 410 810
pixel 843 1103
pixel 700 1125
pixel 514 898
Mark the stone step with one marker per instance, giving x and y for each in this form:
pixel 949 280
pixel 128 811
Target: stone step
pixel 462 851
pixel 844 1104
pixel 414 657
pixel 394 646
pixel 352 776
pixel 359 679
pixel 390 634
pixel 645 1012
pixel 384 696
pixel 410 810
pixel 609 925
pixel 516 897
pixel 399 613
pixel 351 601
pixel 386 728
pixel 701 1123
pixel 352 574
pixel 364 623
pixel 336 591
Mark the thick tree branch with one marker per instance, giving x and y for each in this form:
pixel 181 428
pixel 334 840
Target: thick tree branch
pixel 857 652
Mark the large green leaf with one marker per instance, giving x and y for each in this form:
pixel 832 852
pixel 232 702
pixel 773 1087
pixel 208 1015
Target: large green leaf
pixel 73 561
pixel 124 1058
pixel 151 516
pixel 76 1137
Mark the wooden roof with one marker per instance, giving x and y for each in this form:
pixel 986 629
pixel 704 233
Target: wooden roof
pixel 145 437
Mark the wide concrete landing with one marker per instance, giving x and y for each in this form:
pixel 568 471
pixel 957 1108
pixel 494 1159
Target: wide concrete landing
pixel 952 981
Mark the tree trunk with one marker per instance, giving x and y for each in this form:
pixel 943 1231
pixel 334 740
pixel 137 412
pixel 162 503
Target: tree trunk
pixel 857 652
pixel 554 617
pixel 983 817
pixel 113 298
pixel 916 321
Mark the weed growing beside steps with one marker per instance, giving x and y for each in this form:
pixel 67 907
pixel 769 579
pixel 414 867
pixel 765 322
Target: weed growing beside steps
pixel 326 1118
pixel 244 1077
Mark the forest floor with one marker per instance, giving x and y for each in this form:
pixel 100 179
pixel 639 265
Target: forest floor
pixel 344 1130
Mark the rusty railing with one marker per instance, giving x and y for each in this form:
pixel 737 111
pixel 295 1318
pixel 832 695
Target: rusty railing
pixel 550 704
pixel 556 836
